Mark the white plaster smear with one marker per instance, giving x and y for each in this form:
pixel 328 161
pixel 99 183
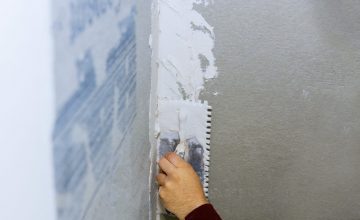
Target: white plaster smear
pixel 182 61
pixel 185 42
pixel 190 119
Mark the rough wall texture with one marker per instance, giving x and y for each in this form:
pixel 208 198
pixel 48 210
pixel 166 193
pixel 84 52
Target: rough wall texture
pixel 286 122
pixel 285 141
pixel 101 134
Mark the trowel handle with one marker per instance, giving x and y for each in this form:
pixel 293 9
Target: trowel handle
pixel 181 149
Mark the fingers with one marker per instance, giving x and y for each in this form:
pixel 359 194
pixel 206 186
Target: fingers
pixel 161 192
pixel 161 179
pixel 175 160
pixel 166 166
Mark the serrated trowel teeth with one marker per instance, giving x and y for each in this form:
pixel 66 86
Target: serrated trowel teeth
pixel 185 128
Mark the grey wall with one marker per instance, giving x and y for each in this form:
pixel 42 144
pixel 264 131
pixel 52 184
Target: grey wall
pixel 286 122
pixel 141 137
pixel 148 81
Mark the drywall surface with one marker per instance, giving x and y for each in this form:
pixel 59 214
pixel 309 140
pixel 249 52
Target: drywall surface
pixel 26 113
pixel 101 133
pixel 286 120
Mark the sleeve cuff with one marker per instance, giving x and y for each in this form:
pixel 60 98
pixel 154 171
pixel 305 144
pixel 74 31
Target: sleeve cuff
pixel 204 212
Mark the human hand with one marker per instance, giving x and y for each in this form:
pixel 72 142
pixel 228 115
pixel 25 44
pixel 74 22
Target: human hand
pixel 180 188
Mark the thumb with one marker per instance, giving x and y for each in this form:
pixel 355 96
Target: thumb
pixel 176 160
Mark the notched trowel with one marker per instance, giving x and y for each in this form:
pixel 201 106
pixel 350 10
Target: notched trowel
pixel 185 128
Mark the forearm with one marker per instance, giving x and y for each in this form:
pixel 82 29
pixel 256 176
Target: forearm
pixel 203 212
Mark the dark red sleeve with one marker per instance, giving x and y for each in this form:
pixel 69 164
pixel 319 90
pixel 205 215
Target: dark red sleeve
pixel 204 212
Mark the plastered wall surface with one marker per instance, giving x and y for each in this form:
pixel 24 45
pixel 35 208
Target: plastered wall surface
pixel 286 121
pixel 285 127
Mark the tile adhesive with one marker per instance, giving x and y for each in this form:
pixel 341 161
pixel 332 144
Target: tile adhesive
pixel 182 61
